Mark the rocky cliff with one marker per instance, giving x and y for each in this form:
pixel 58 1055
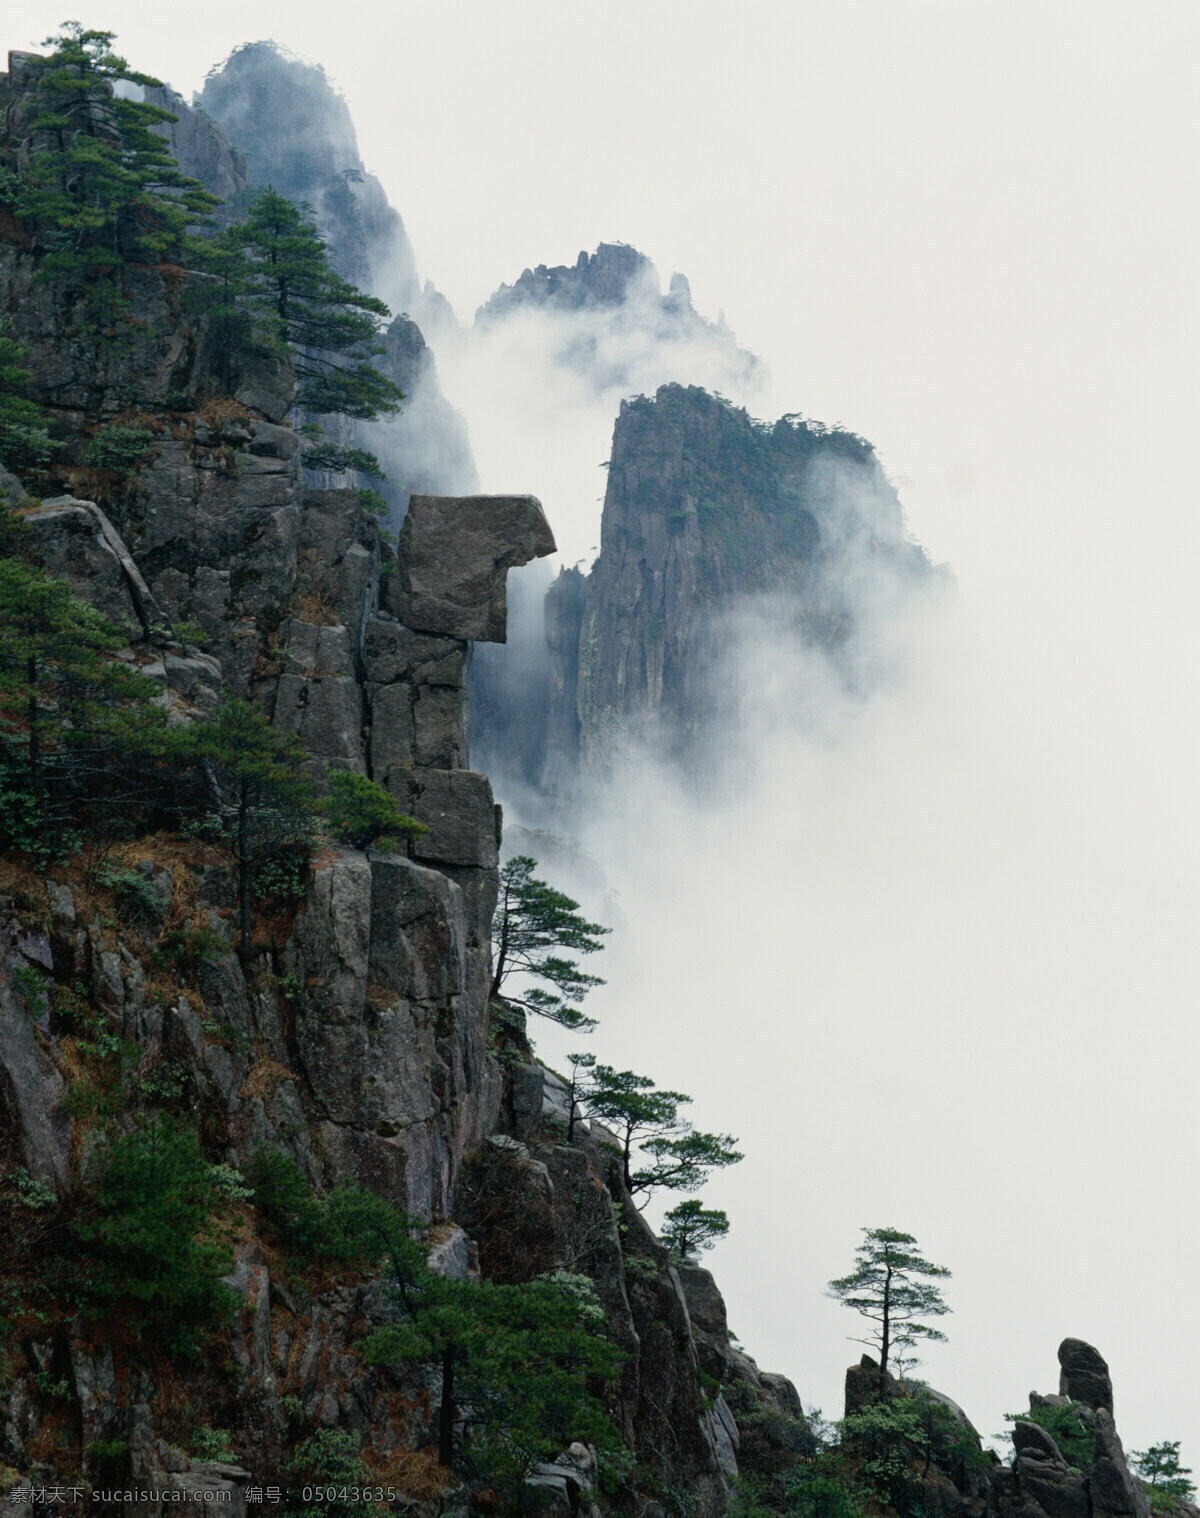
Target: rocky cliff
pixel 352 1033
pixel 709 516
pixel 283 124
pixel 705 511
pixel 1079 1470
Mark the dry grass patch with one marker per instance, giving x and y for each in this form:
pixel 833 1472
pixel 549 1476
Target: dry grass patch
pixel 221 409
pixel 416 1473
pixel 265 1077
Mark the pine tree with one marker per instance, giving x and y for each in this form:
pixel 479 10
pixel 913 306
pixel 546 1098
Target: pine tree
pixel 515 1363
pixel 101 188
pixel 885 1288
pixel 532 920
pixel 25 441
pixel 636 1108
pixel 361 813
pixel 691 1228
pixel 149 1237
pixel 1160 1467
pixel 581 1065
pixel 275 277
pixel 647 1118
pixel 682 1163
pixel 266 802
pixel 71 715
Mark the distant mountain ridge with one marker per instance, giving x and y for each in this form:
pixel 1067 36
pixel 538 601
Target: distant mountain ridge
pixel 617 284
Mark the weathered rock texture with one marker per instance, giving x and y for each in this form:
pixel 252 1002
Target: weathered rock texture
pixel 706 511
pixel 710 519
pixel 1084 1376
pixel 453 559
pixel 353 1031
pixel 1041 1482
pixel 202 151
pixel 375 1065
pixel 294 132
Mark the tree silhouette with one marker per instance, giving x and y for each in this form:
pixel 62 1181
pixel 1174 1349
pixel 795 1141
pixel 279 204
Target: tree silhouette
pixel 885 1286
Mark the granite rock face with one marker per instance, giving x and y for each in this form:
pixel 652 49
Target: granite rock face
pixel 203 152
pixel 461 591
pixel 720 536
pixel 1041 1482
pixel 293 131
pixel 75 541
pixel 1084 1376
pixel 706 512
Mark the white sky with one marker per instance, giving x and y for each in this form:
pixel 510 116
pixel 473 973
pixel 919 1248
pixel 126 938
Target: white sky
pixel 946 979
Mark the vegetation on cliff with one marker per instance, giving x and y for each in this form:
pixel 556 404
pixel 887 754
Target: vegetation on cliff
pixel 275 281
pixel 77 728
pixel 101 188
pixel 892 1286
pixel 532 922
pixel 748 479
pixel 195 977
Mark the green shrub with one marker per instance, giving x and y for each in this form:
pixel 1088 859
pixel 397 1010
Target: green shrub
pixel 118 450
pixel 149 1240
pixel 886 1438
pixel 164 1084
pixel 212 1444
pixel 817 1490
pixel 135 893
pixel 109 1459
pixel 185 948
pixel 1067 1428
pixel 330 1463
pixel 349 1223
pixel 284 873
pixel 362 813
pixel 284 1196
pixel 32 1191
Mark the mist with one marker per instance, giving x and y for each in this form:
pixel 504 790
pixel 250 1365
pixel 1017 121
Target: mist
pixel 541 387
pixel 922 944
pixel 934 961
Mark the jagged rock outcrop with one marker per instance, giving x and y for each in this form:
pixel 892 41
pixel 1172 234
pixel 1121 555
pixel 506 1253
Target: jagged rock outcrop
pixel 76 542
pixel 610 296
pixel 294 131
pixel 707 512
pixel 1042 1481
pixel 203 152
pixel 451 573
pixel 295 134
pixel 1084 1376
pixel 352 1030
pixel 373 1065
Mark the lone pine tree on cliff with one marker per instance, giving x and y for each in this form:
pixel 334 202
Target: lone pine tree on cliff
pixel 648 1119
pixel 531 922
pixel 691 1228
pixel 886 1287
